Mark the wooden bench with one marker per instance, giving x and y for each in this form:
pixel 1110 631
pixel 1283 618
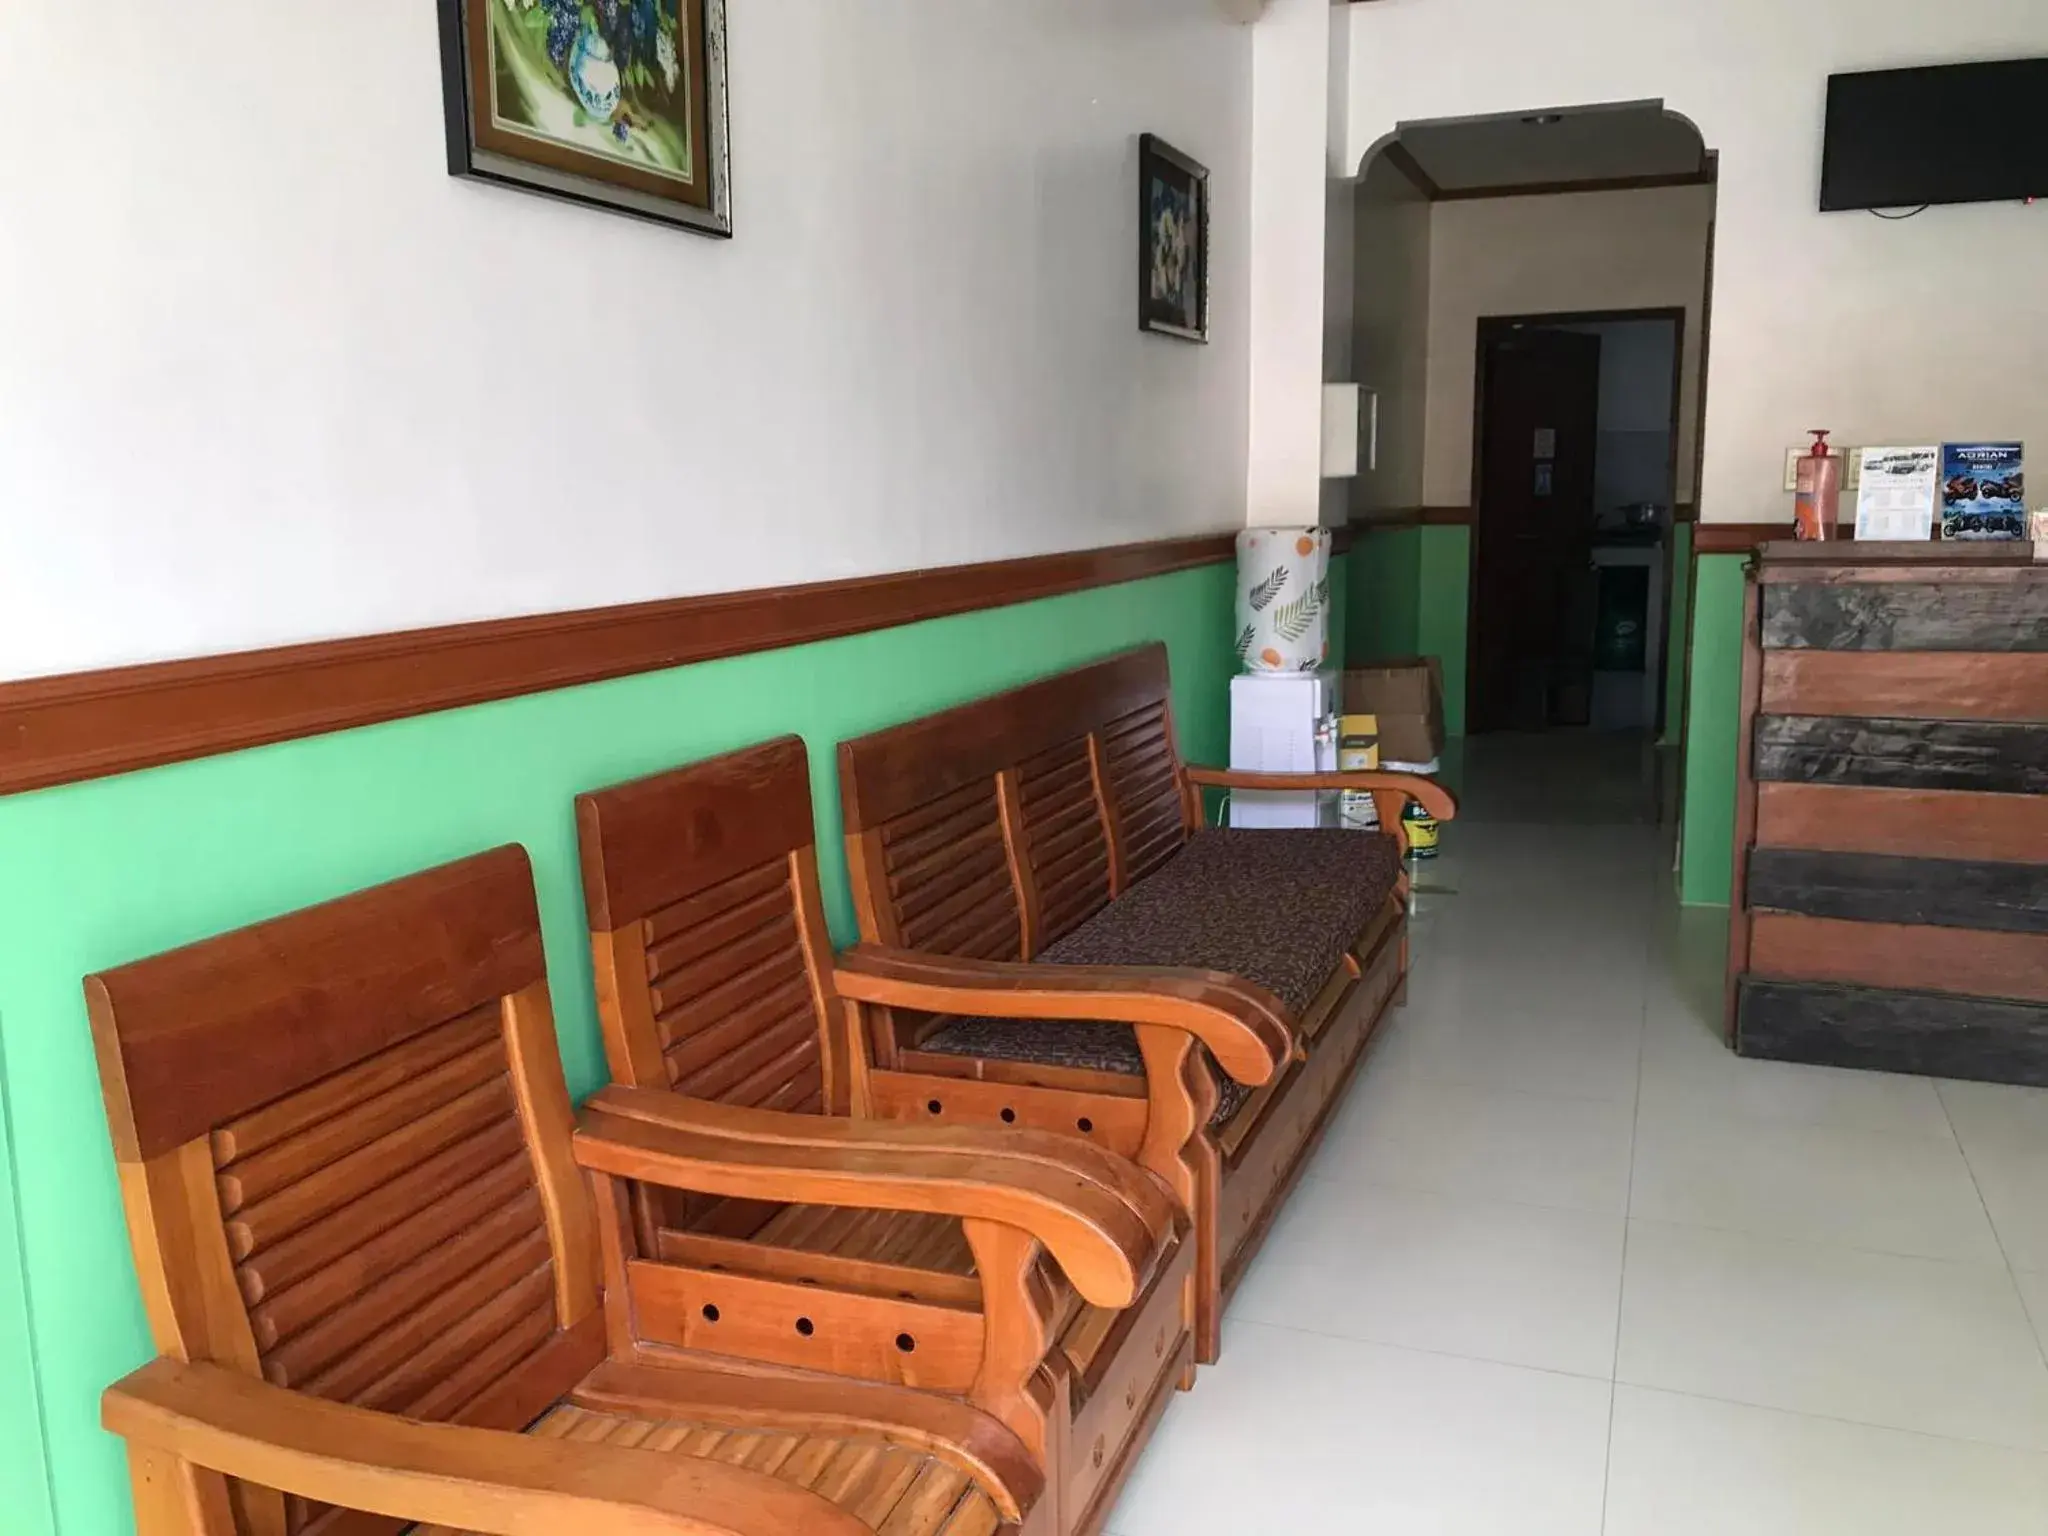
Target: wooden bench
pixel 383 1293
pixel 717 988
pixel 1051 936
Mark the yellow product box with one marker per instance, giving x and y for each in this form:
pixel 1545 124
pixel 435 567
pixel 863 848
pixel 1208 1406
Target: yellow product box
pixel 1358 742
pixel 1358 751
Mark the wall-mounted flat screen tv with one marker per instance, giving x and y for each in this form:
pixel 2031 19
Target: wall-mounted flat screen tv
pixel 1957 133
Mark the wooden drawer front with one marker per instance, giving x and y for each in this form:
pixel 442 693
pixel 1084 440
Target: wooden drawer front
pixel 1262 1167
pixel 1327 1005
pixel 1113 1422
pixel 1350 995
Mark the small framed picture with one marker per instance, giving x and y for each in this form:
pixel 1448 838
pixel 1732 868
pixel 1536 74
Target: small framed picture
pixel 619 104
pixel 1173 243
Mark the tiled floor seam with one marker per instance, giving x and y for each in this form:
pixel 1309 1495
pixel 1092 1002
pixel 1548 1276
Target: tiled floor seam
pixel 2038 1452
pixel 1367 1181
pixel 2035 1324
pixel 1635 1142
pixel 1830 1244
pixel 1461 1194
pixel 1412 1349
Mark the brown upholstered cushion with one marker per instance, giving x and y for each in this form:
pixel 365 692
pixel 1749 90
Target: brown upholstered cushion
pixel 1275 907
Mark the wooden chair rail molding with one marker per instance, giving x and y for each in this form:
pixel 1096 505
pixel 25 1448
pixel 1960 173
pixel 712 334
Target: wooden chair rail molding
pixel 1392 518
pixel 1736 538
pixel 1743 538
pixel 87 725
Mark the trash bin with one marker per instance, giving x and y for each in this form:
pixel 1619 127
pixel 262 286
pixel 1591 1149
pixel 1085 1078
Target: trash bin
pixel 1621 629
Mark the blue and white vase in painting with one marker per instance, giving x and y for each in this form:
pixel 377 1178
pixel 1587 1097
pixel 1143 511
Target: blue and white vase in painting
pixel 594 75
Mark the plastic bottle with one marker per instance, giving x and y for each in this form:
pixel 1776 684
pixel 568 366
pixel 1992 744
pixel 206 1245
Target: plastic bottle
pixel 1819 505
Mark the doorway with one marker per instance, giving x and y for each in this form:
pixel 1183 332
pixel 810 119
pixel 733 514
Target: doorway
pixel 1574 483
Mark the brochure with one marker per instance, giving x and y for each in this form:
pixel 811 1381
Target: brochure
pixel 1983 493
pixel 1895 497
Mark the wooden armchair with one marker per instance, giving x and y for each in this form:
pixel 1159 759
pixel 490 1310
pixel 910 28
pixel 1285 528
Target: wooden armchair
pixel 373 1271
pixel 718 999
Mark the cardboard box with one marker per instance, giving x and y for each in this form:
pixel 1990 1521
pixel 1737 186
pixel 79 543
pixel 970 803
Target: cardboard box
pixel 1408 697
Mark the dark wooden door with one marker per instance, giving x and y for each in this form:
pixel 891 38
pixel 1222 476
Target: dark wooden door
pixel 1532 619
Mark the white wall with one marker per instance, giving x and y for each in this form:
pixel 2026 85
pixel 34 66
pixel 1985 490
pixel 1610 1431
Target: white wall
pixel 1635 373
pixel 1635 462
pixel 1340 325
pixel 1555 255
pixel 1290 152
pixel 1391 345
pixel 267 373
pixel 1879 330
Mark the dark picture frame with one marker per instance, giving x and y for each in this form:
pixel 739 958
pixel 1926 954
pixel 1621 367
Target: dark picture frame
pixel 615 104
pixel 1173 241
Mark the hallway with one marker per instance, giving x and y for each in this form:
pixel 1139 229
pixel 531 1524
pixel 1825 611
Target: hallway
pixel 1564 1264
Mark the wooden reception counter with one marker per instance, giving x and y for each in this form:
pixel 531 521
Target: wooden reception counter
pixel 1891 829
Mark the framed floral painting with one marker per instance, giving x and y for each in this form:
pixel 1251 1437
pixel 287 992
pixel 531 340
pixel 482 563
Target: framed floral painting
pixel 616 103
pixel 1173 246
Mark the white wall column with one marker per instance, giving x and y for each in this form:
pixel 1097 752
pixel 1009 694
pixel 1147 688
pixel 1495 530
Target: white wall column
pixel 1291 139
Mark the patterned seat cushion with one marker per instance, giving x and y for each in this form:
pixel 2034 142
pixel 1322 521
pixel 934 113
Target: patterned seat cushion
pixel 1276 907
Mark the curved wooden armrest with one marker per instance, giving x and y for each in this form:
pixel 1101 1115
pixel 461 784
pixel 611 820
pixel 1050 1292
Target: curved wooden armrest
pixel 1245 1027
pixel 1105 1220
pixel 443 1474
pixel 1424 791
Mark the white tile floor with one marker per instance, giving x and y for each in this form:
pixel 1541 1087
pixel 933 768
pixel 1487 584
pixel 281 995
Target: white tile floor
pixel 1564 1264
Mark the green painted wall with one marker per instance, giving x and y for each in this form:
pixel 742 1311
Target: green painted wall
pixel 1680 621
pixel 1410 591
pixel 92 875
pixel 1445 579
pixel 24 1481
pixel 1712 728
pixel 1386 592
pixel 1340 606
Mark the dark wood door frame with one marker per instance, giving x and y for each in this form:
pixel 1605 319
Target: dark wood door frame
pixel 1491 327
pixel 1692 574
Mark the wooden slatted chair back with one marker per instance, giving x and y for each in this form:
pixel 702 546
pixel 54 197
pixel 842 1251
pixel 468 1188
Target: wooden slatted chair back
pixel 343 1143
pixel 990 830
pixel 707 933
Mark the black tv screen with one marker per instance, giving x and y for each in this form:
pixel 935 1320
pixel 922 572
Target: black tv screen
pixel 1958 133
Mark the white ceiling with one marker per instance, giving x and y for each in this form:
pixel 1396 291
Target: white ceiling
pixel 1583 144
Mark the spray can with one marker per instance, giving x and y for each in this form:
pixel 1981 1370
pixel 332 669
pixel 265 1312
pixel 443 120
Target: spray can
pixel 1820 491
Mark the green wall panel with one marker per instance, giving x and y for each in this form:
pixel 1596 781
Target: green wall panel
pixel 1340 607
pixel 1385 591
pixel 24 1478
pixel 1709 835
pixel 1409 597
pixel 1680 621
pixel 92 875
pixel 1445 608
